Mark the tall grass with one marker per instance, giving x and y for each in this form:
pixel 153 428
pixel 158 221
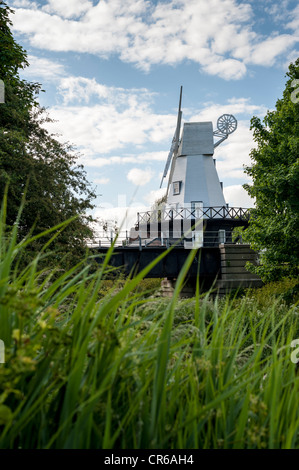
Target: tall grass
pixel 126 370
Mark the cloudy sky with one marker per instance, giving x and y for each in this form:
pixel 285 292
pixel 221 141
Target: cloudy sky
pixel 112 71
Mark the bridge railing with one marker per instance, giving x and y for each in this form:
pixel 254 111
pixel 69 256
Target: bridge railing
pixel 216 212
pixel 126 239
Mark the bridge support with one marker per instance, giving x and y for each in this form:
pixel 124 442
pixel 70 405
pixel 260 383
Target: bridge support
pixel 168 285
pixel 233 274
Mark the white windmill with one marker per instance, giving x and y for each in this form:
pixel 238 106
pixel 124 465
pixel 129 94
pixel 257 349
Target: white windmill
pixel 195 207
pixel 193 180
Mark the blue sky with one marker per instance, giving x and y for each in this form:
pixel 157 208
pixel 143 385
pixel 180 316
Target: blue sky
pixel 112 71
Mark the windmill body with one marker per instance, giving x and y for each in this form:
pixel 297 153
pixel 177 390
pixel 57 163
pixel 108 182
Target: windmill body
pixel 193 180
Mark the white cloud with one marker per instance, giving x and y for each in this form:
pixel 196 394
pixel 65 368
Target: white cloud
pixel 124 217
pixel 80 89
pixel 24 4
pixel 153 156
pixel 124 120
pixel 140 177
pixel 278 11
pixel 227 69
pixel 101 180
pixel 234 153
pixel 294 23
pixel 236 106
pixel 67 8
pixel 154 195
pixel 77 89
pixel 100 129
pixel 99 162
pixel 121 117
pixel 236 196
pixel 291 57
pixel 217 34
pixel 267 51
pixel 44 68
pixel 116 118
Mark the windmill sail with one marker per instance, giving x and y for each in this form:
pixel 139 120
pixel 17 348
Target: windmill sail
pixel 175 141
pixel 175 152
pixel 169 158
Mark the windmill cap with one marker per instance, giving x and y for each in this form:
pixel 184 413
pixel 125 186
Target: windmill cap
pixel 197 139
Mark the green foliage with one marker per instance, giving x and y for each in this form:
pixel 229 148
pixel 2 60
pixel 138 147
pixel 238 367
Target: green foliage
pixel 34 161
pixel 123 370
pixel 149 286
pixel 273 225
pixel 286 290
pixel 145 287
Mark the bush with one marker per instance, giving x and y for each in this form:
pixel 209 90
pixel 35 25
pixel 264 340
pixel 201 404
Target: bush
pixel 286 290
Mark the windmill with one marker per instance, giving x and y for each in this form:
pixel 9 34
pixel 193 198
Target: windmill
pixel 195 216
pixel 195 207
pixel 193 178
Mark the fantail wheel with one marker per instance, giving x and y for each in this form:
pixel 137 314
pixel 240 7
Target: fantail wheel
pixel 227 123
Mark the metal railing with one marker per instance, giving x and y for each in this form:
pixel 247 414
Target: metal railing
pixel 106 239
pixel 164 239
pixel 216 212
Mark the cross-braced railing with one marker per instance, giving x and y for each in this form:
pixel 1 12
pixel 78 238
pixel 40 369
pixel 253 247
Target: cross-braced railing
pixel 216 212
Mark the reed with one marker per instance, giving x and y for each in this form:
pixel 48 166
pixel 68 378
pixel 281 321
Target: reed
pixel 128 370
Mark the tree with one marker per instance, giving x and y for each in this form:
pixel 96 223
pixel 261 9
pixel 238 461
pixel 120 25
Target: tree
pixel 57 188
pixel 273 227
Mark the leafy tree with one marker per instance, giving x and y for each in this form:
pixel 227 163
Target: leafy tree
pixel 273 227
pixel 57 188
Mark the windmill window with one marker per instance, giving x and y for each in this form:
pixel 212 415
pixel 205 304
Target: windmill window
pixel 176 187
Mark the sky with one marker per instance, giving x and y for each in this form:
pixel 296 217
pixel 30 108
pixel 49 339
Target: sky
pixel 112 71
